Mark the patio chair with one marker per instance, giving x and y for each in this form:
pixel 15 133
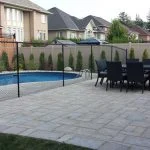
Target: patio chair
pixel 135 75
pixel 101 70
pixel 114 74
pixel 132 60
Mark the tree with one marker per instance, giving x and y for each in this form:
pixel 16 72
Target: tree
pixel 91 62
pixel 116 58
pixel 124 18
pixel 31 65
pixel 148 22
pixel 138 21
pixel 60 62
pixel 145 54
pixel 4 59
pixel 131 54
pixel 71 61
pixel 42 61
pixel 103 55
pixel 79 61
pixel 50 62
pixel 117 33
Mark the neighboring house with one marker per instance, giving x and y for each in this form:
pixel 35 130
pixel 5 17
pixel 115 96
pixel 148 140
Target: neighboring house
pixel 23 18
pixel 144 35
pixel 62 25
pixel 139 33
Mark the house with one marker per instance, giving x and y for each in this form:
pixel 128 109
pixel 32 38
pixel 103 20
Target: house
pixel 63 25
pixel 23 18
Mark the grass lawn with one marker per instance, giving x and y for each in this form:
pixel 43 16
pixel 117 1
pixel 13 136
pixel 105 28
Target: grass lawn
pixel 15 142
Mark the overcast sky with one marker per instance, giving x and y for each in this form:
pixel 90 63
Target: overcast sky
pixel 106 9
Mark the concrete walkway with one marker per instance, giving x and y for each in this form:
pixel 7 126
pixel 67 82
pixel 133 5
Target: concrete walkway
pixel 82 114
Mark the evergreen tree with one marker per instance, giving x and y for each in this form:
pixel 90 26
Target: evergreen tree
pixel 103 55
pixel 4 59
pixel 60 62
pixel 50 62
pixel 131 54
pixel 32 65
pixel 138 21
pixel 91 62
pixel 71 61
pixel 42 61
pixel 79 61
pixel 116 58
pixel 145 54
pixel 148 22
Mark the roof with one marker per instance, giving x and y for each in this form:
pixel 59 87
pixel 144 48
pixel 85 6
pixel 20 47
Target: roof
pixel 25 4
pixel 140 30
pixel 90 41
pixel 60 20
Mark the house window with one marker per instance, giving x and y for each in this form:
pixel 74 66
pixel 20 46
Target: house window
pixel 8 13
pixel 43 18
pixel 13 14
pixel 41 35
pixel 59 34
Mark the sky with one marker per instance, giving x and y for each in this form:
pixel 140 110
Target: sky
pixel 106 9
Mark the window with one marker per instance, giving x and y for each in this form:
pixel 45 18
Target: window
pixel 13 14
pixel 41 35
pixel 43 18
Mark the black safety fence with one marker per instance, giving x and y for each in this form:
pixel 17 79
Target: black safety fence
pixel 22 64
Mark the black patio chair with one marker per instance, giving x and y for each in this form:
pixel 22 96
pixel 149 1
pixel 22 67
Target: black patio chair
pixel 114 74
pixel 132 60
pixel 146 61
pixel 101 70
pixel 135 75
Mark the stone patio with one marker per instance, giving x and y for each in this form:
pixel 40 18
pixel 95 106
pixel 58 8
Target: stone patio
pixel 82 114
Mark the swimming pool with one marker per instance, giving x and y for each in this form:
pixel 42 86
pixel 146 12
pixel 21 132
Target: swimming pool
pixel 11 78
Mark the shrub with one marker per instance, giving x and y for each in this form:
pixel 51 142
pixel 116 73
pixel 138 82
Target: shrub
pixel 145 54
pixel 20 60
pixel 79 61
pixel 50 62
pixel 91 62
pixel 116 58
pixel 42 61
pixel 4 59
pixel 32 65
pixel 103 55
pixel 2 66
pixel 131 54
pixel 60 62
pixel 71 61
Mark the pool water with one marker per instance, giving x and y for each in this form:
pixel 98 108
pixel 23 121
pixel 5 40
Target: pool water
pixel 11 78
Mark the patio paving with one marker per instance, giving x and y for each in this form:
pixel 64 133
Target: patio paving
pixel 82 114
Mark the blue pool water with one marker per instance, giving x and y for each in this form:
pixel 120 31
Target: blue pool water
pixel 11 78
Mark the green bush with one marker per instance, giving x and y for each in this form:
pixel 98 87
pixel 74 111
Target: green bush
pixel 71 61
pixel 2 66
pixel 91 62
pixel 20 60
pixel 32 65
pixel 131 54
pixel 60 62
pixel 116 58
pixel 50 62
pixel 145 54
pixel 42 61
pixel 79 61
pixel 4 59
pixel 102 55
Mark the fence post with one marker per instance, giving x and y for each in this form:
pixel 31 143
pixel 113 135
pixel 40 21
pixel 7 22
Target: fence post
pixel 18 79
pixel 63 63
pixel 111 52
pixel 91 60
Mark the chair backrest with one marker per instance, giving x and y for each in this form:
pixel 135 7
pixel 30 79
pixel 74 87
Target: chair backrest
pixel 132 60
pixel 114 71
pixel 135 72
pixel 146 61
pixel 101 65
